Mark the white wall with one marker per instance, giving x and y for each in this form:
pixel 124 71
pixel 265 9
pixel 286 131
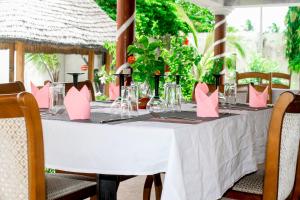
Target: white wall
pixel 69 63
pixel 4 66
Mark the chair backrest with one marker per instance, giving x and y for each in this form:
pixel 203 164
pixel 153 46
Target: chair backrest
pixel 10 88
pixel 282 148
pixel 86 83
pixel 21 147
pixel 281 76
pixel 253 75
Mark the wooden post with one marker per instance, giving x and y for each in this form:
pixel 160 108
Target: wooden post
pixel 11 62
pixel 20 60
pixel 220 35
pixel 125 10
pixel 91 64
pixel 108 60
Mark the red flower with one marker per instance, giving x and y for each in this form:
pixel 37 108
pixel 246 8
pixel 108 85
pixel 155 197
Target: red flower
pixel 84 67
pixel 167 68
pixel 131 59
pixel 157 72
pixel 186 41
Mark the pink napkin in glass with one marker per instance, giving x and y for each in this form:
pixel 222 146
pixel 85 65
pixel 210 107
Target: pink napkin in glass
pixel 207 106
pixel 77 104
pixel 113 91
pixel 203 87
pixel 258 99
pixel 42 95
pixel 86 92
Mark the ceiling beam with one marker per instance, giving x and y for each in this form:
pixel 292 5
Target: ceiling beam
pixel 243 3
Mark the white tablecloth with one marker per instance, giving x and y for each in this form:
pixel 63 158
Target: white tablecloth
pixel 201 161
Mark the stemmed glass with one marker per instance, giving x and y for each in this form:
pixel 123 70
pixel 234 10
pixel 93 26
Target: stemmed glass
pixel 57 95
pixel 156 104
pixel 222 98
pixel 230 93
pixel 129 101
pixel 116 105
pixel 173 95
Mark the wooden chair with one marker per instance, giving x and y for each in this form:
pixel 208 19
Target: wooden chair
pixel 282 163
pixel 253 75
pixel 261 77
pixel 10 88
pixel 286 77
pixel 22 156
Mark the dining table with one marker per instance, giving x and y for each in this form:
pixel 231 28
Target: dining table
pixel 201 157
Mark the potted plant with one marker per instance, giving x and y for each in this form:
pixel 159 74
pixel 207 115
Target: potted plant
pixel 146 60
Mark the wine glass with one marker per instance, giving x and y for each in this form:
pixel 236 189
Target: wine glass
pixel 173 96
pixel 57 95
pixel 156 104
pixel 230 93
pixel 116 105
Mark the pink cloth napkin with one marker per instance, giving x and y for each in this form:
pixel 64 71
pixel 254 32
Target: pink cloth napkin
pixel 42 95
pixel 258 99
pixel 77 104
pixel 113 91
pixel 203 87
pixel 86 92
pixel 207 106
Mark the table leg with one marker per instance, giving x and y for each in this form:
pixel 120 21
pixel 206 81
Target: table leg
pixel 107 187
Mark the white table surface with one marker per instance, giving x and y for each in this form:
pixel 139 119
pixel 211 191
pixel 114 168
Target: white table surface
pixel 201 161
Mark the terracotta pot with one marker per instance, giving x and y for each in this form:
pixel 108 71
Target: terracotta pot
pixel 143 102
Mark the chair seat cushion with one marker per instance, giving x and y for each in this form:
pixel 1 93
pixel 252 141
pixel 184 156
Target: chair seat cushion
pixel 60 185
pixel 252 183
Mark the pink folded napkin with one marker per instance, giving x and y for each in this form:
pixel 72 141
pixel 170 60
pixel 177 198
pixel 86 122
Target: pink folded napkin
pixel 258 99
pixel 207 106
pixel 86 92
pixel 42 95
pixel 77 104
pixel 203 87
pixel 113 91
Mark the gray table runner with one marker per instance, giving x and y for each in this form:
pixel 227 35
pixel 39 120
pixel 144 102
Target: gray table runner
pixel 184 117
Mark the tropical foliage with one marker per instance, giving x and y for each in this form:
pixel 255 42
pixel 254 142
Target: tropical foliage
pixel 161 18
pixel 182 59
pixel 293 38
pixel 148 60
pixel 45 62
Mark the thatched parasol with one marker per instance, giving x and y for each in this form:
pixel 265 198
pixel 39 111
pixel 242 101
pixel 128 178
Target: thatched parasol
pixel 53 26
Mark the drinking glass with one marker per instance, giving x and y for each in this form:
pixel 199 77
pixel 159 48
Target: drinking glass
pixel 129 101
pixel 173 97
pixel 57 95
pixel 156 104
pixel 230 93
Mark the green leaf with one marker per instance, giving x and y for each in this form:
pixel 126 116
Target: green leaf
pixel 154 45
pixel 144 41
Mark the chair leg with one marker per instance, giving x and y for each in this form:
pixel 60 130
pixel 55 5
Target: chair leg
pixel 158 186
pixel 147 187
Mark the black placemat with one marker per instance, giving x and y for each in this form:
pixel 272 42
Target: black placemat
pixel 96 117
pixel 240 106
pixel 184 117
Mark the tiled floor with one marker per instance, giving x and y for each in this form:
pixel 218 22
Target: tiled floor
pixel 132 189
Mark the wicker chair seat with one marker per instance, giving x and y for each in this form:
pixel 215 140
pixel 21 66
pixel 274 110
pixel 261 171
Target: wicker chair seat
pixel 60 185
pixel 252 183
